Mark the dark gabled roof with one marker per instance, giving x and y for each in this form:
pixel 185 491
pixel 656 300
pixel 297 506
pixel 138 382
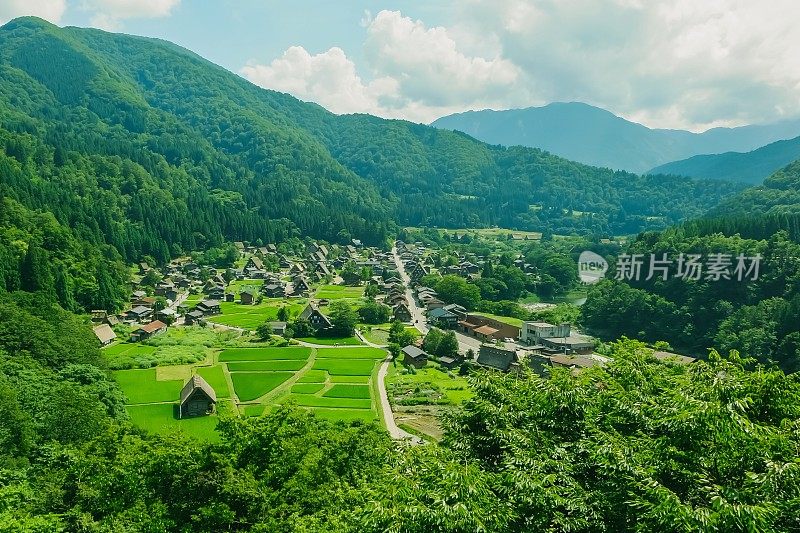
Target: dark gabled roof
pixel 194 383
pixel 414 352
pixel 209 303
pixel 440 312
pixel 140 310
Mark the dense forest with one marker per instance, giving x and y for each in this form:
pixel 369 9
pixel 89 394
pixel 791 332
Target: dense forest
pixel 154 150
pixel 758 317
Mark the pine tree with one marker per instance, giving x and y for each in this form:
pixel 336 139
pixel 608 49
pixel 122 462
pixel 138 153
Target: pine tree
pixel 64 291
pixel 35 272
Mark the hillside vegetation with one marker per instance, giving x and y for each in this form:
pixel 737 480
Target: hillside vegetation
pixel 154 150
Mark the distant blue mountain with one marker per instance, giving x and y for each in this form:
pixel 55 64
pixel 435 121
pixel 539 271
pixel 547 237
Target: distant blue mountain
pixel 594 136
pixel 750 167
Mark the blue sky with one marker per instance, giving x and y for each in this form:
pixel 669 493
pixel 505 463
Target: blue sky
pixel 665 63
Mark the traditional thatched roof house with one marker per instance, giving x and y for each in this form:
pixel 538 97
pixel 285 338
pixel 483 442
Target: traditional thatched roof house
pixel 197 398
pixel 315 317
pixel 104 334
pixel 496 357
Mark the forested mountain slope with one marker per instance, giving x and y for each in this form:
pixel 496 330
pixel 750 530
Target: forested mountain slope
pixel 758 315
pixel 594 136
pixel 160 150
pixel 747 167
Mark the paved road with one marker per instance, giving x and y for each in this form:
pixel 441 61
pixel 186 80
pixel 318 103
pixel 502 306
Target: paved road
pixel 418 312
pixel 386 408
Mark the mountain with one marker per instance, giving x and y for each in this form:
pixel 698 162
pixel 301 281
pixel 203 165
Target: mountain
pixel 144 147
pixel 594 136
pixel 778 195
pixel 749 167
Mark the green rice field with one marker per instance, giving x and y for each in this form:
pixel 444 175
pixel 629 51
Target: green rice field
pixel 345 367
pixel 346 390
pixel 265 354
pixel 260 366
pixel 307 388
pixel 252 385
pixel 351 353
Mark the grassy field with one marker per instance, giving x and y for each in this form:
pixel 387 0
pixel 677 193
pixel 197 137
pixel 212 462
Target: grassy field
pixel 511 321
pixel 125 349
pixel 351 353
pixel 380 334
pixel 307 388
pixel 162 418
pixel 252 385
pixel 215 377
pixel 265 354
pixel 332 341
pixel 345 367
pixel 259 366
pixel 141 386
pixel 336 292
pixel 251 316
pixel 346 390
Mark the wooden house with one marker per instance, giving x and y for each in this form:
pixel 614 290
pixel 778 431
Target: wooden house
pixel 104 334
pixel 148 330
pixel 414 356
pixel 197 398
pixel 315 317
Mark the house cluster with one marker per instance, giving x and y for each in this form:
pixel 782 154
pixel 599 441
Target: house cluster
pixel 550 345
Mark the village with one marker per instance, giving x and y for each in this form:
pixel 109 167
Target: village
pixel 270 337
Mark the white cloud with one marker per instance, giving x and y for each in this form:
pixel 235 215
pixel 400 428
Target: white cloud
pixel 51 10
pixel 328 78
pixel 666 63
pixel 109 14
pixel 418 73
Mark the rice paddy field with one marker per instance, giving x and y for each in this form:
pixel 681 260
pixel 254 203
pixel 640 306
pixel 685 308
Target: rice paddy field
pixel 152 399
pixel 249 317
pixel 336 292
pixel 265 354
pixel 335 383
pixel 252 385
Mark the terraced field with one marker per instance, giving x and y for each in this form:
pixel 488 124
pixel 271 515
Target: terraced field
pixel 334 383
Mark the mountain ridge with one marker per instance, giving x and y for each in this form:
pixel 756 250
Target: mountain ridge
pixel 746 167
pixel 596 136
pixel 156 134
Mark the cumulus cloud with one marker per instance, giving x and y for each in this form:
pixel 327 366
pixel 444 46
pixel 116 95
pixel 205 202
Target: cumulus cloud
pixel 109 14
pixel 51 10
pixel 328 78
pixel 666 63
pixel 417 73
